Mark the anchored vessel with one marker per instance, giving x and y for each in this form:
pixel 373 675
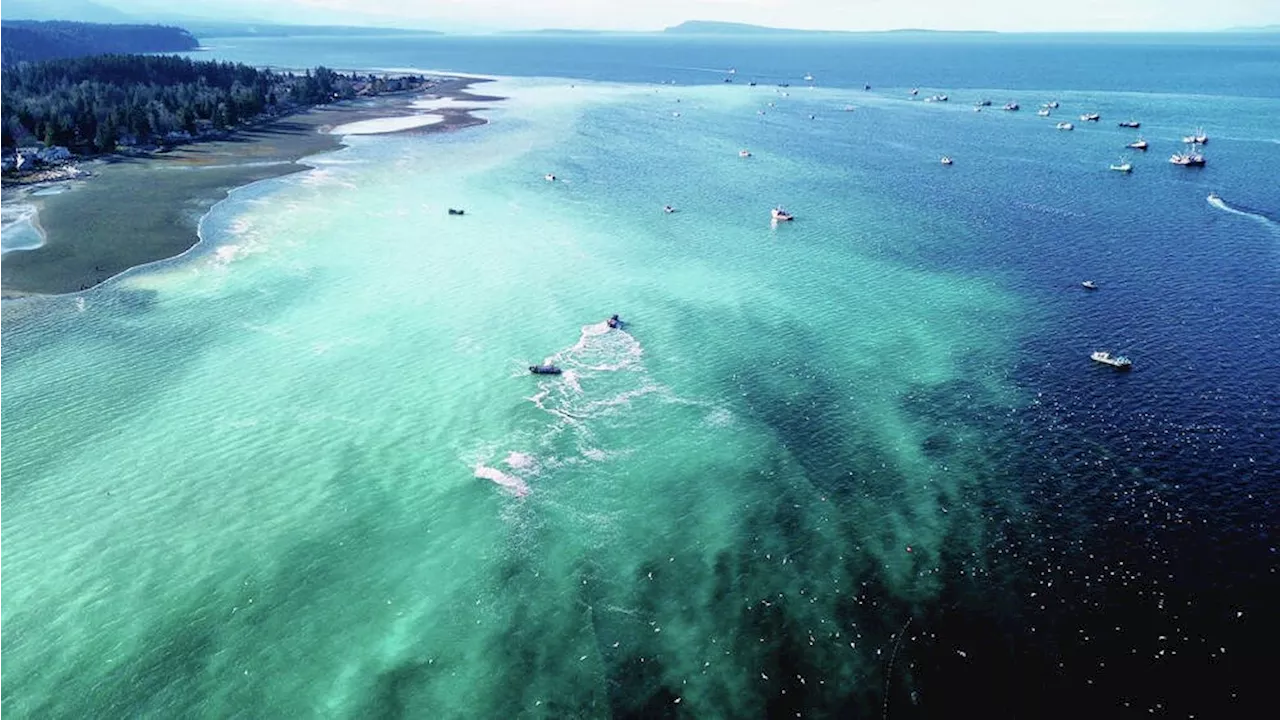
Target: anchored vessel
pixel 1119 362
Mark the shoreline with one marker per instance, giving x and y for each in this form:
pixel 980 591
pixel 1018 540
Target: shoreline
pixel 128 211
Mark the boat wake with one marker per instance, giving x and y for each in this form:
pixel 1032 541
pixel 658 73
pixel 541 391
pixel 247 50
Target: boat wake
pixel 603 375
pixel 1244 211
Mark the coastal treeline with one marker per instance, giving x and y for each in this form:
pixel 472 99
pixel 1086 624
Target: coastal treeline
pixel 30 40
pixel 95 103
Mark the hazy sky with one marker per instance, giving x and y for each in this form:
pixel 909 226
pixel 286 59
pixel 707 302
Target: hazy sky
pixel 1034 15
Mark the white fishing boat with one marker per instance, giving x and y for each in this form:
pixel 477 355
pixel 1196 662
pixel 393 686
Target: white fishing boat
pixel 549 177
pixel 1191 157
pixel 1119 362
pixel 744 153
pixel 1196 138
pixel 808 77
pixel 1065 126
pixel 946 160
pixel 1123 166
pixel 1138 144
pixel 1011 106
pixel 1052 104
pixel 1091 117
pixel 780 215
pixel 1089 285
pixel 1043 112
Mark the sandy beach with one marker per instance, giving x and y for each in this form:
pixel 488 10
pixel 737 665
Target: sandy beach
pixel 131 211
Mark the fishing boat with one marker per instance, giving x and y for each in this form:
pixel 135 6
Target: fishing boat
pixel 1043 112
pixel 1091 117
pixel 808 77
pixel 1196 138
pixel 744 153
pixel 1118 362
pixel 1065 126
pixel 545 370
pixel 780 215
pixel 1011 106
pixel 668 209
pixel 1129 124
pixel 1089 285
pixel 915 91
pixel 983 103
pixel 455 211
pixel 549 177
pixel 1052 104
pixel 946 160
pixel 1138 144
pixel 1123 166
pixel 1191 157
pixel 939 98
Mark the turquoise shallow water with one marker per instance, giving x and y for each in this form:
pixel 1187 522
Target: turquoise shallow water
pixel 852 463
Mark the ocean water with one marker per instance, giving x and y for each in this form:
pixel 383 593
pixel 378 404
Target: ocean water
pixel 855 465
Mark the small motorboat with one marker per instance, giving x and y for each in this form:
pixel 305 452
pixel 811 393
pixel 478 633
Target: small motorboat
pixel 1043 112
pixel 780 215
pixel 849 108
pixel 752 83
pixel 549 177
pixel 545 370
pixel 866 87
pixel 1123 166
pixel 1089 285
pixel 937 98
pixel 915 91
pixel 1011 106
pixel 1138 144
pixel 1129 124
pixel 668 209
pixel 1118 362
pixel 983 103
pixel 613 321
pixel 455 211
pixel 946 160
pixel 744 153
pixel 1052 104
pixel 675 114
pixel 1214 196
pixel 1091 117
pixel 1065 126
pixel 808 77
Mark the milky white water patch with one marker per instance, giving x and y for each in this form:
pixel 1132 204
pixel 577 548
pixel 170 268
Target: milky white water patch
pixel 385 125
pixel 19 228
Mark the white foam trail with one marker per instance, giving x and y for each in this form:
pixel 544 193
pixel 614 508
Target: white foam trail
pixel 511 483
pixel 520 461
pixel 1222 205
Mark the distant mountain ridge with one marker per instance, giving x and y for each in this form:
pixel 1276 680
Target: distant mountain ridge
pixel 79 10
pixel 710 27
pixel 29 40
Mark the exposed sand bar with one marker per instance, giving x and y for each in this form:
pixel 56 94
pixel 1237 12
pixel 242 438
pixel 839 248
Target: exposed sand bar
pixel 134 211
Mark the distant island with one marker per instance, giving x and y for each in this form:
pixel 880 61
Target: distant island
pixel 210 29
pixel 30 40
pixel 708 27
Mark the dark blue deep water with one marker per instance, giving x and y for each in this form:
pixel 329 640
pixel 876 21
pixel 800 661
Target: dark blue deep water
pixel 1138 574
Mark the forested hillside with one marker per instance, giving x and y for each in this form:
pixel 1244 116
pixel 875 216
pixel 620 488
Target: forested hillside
pixel 93 103
pixel 26 40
